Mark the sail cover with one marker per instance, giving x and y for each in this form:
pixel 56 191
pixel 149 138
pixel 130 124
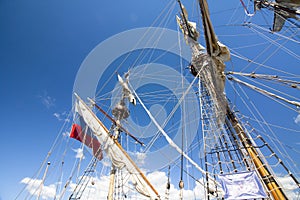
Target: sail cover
pixel 115 152
pixel 85 136
pixel 244 185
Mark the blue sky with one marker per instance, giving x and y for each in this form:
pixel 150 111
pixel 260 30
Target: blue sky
pixel 42 45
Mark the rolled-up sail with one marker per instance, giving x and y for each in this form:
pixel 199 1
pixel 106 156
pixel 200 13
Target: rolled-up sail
pixel 209 65
pixel 115 152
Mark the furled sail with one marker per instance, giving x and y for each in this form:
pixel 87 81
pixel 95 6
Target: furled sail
pixel 115 152
pixel 208 65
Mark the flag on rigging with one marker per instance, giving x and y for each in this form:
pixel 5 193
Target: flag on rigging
pixel 245 185
pixel 85 136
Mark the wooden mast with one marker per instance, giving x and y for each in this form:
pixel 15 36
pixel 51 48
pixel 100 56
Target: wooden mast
pixel 110 195
pixel 43 180
pixel 266 175
pixel 97 126
pixel 115 122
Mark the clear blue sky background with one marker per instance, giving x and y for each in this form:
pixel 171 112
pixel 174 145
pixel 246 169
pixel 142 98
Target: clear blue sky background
pixel 42 45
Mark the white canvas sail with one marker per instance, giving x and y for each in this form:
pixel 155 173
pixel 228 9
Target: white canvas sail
pixel 115 152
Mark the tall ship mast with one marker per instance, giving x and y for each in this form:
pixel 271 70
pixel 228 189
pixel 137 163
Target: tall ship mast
pixel 157 132
pixel 229 148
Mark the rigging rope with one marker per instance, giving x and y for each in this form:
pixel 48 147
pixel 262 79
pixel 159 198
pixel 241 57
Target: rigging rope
pixel 55 144
pixel 40 188
pixel 264 92
pixel 181 183
pixel 290 83
pixel 84 180
pixel 170 6
pixel 170 141
pixel 262 125
pixel 246 10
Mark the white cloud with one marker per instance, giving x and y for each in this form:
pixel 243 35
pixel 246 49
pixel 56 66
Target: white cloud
pixel 57 115
pixel 36 188
pixel 159 181
pixel 289 187
pixel 97 188
pixel 79 153
pixel 47 100
pixel 62 116
pixel 297 119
